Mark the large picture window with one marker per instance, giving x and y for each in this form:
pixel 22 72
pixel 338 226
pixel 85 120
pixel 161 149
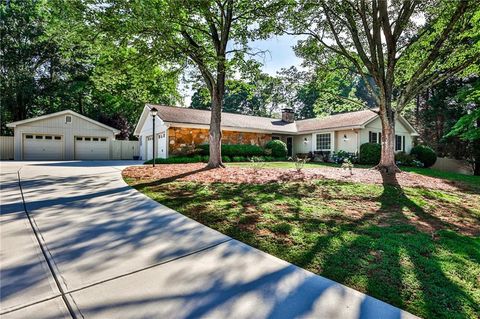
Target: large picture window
pixel 323 142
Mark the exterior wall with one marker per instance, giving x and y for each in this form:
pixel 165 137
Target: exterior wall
pixel 147 130
pixel 376 126
pixel 6 147
pixel 179 137
pixel 302 144
pixel 57 126
pixel 350 144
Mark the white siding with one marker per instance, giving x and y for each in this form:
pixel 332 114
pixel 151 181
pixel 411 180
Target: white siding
pixel 347 141
pixel 56 125
pixel 148 131
pixel 376 126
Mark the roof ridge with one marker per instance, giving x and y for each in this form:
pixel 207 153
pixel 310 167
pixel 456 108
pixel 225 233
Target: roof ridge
pixel 188 108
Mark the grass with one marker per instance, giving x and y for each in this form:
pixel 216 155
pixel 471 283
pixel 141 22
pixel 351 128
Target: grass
pixel 470 180
pixel 411 247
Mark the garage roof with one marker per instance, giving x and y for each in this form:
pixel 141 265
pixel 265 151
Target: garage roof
pixel 65 112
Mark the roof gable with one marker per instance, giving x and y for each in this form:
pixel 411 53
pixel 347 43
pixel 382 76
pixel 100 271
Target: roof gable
pixel 65 112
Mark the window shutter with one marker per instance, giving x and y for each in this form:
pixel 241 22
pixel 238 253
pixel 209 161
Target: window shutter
pixel 369 136
pixel 403 142
pixel 379 138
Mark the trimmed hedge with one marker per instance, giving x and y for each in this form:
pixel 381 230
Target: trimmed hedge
pixel 424 154
pixel 204 159
pixel 176 160
pixel 277 148
pixel 370 153
pixel 234 150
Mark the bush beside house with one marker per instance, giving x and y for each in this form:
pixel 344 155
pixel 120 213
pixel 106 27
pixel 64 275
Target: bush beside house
pixel 231 150
pixel 370 153
pixel 276 148
pixel 424 154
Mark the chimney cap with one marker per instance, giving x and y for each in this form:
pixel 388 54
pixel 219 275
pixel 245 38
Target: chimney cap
pixel 287 110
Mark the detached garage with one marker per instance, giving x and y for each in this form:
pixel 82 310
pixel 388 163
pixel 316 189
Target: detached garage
pixel 64 135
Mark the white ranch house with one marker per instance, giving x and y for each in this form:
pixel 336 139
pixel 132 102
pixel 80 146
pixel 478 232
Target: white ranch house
pixel 177 127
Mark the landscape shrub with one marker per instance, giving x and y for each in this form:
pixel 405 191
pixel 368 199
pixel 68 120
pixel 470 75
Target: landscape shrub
pixel 239 159
pixel 424 154
pixel 205 158
pixel 177 160
pixel 404 159
pixel 342 156
pixel 277 148
pixel 370 153
pixel 269 158
pixel 231 150
pixel 226 159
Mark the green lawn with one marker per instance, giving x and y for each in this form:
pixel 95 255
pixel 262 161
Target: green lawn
pixel 470 180
pixel 415 248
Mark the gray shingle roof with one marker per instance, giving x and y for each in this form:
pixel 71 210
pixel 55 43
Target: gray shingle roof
pixel 202 117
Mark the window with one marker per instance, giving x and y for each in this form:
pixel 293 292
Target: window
pixel 68 119
pixel 79 138
pixel 372 137
pixel 274 138
pixel 95 139
pixel 48 137
pixel 58 137
pixel 103 139
pixel 29 136
pixel 39 137
pixel 323 141
pixel 399 143
pixel 87 138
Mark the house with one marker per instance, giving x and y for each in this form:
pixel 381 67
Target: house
pixel 177 128
pixel 64 135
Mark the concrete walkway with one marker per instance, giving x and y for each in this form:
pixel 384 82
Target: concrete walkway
pixel 92 247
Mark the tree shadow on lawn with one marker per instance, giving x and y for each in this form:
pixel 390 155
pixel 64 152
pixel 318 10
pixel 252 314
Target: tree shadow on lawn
pixel 381 253
pixel 398 263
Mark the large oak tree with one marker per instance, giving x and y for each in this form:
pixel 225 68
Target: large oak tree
pixel 210 35
pixel 399 48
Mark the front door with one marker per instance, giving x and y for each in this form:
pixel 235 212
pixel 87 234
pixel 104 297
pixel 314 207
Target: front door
pixel 289 146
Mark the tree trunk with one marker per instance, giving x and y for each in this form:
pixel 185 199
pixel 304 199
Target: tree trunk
pixel 215 159
pixel 387 160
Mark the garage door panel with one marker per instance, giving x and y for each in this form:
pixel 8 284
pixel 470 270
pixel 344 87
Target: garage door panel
pixel 37 147
pixel 91 148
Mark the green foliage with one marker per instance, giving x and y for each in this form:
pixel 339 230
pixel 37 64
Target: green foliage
pixel 277 148
pixel 226 159
pixel 52 60
pixel 239 159
pixel 467 127
pixel 177 160
pixel 370 153
pixel 424 154
pixel 246 150
pixel 342 156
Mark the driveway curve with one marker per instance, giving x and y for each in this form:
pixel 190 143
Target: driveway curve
pixel 78 242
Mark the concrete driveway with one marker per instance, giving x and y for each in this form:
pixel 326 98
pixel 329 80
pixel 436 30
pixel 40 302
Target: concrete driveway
pixel 92 247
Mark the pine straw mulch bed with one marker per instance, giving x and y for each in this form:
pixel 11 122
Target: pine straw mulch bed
pixel 198 173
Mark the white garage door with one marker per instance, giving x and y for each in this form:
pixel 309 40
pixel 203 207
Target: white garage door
pixel 91 148
pixel 149 147
pixel 37 147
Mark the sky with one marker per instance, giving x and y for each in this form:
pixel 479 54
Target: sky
pixel 280 55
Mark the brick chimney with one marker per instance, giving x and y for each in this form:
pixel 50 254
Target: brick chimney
pixel 288 115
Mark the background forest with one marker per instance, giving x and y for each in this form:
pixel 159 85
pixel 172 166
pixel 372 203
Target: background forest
pixel 52 60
